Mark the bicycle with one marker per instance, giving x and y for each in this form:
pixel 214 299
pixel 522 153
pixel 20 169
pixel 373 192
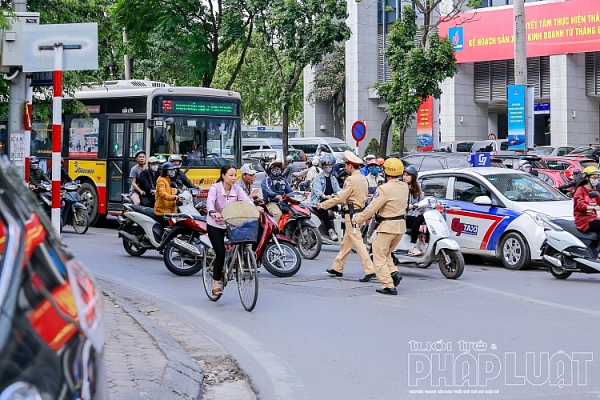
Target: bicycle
pixel 240 263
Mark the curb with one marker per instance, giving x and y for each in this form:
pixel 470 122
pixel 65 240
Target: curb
pixel 182 374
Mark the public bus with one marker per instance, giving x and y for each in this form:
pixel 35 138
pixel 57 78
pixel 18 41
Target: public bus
pixel 122 117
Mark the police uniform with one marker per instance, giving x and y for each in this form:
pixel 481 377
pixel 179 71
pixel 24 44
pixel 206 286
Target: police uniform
pixel 390 201
pixel 354 191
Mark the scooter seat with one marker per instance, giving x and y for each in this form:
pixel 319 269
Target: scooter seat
pixel 199 218
pixel 148 211
pixel 570 227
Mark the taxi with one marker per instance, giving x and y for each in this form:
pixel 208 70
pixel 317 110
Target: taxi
pixel 496 211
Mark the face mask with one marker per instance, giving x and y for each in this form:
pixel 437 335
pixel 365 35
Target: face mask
pixel 171 173
pixel 276 173
pixel 593 182
pixel 374 170
pixel 154 168
pixel 527 169
pixel 327 169
pixel 34 166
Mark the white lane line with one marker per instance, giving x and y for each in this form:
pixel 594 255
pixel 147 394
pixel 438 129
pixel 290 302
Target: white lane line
pixel 530 299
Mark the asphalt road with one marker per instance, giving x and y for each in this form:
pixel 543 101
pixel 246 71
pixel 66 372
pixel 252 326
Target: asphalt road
pixel 493 333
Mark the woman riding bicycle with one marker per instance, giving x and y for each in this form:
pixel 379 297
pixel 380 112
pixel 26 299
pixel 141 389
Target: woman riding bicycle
pixel 222 193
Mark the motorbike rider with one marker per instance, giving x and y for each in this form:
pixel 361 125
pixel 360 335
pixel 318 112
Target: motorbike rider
pixel 248 179
pixel 36 174
pixel 290 168
pixel 373 175
pixel 576 177
pixel 147 182
pixel 323 187
pixel 166 195
pixel 414 218
pixel 180 177
pixel 365 169
pixel 354 192
pixel 273 188
pixel 585 202
pixel 390 201
pixel 64 176
pixel 223 192
pixel 525 166
pixel 135 191
pixel 308 174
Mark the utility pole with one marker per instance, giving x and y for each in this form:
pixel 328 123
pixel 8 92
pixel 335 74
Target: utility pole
pixel 16 96
pixel 521 56
pixel 126 60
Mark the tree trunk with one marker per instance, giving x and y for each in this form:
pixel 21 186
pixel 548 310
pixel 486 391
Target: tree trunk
pixel 402 134
pixel 238 67
pixel 285 122
pixel 385 133
pixel 334 112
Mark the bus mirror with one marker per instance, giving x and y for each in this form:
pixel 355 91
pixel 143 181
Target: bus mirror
pixel 170 121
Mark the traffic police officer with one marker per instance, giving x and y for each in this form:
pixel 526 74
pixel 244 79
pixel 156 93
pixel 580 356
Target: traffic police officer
pixel 390 201
pixel 354 192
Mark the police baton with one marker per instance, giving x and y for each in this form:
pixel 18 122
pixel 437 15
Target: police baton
pixel 351 210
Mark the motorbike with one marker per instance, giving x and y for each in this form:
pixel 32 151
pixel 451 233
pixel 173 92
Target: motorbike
pixel 338 223
pixel 434 243
pixel 567 249
pixel 142 230
pixel 73 212
pixel 296 224
pixel 44 194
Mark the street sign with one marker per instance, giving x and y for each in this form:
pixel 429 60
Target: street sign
pixel 41 78
pixel 36 36
pixel 359 131
pixel 481 159
pixel 492 136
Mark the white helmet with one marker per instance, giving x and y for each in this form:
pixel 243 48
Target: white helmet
pixel 315 161
pixel 524 165
pixel 152 160
pixel 289 159
pixel 175 157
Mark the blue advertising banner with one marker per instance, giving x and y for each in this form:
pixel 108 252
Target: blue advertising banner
pixel 516 117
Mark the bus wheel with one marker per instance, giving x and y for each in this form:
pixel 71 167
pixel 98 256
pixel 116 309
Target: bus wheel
pixel 89 198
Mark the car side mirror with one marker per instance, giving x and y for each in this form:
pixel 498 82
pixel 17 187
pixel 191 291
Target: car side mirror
pixel 482 201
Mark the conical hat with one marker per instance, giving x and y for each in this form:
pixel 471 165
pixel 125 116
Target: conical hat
pixel 239 212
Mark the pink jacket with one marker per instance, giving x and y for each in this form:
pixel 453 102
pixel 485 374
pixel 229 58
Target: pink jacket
pixel 217 200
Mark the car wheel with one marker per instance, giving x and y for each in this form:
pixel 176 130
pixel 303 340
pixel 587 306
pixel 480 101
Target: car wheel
pixel 514 252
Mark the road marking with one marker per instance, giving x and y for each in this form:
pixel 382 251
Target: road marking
pixel 530 299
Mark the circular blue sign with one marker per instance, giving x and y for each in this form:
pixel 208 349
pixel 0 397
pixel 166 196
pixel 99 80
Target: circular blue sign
pixel 359 131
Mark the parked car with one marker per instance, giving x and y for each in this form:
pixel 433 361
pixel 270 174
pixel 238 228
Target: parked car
pixel 457 146
pixel 334 146
pixel 569 164
pixel 427 161
pixel 590 151
pixel 495 147
pixel 495 211
pixel 51 338
pixel 552 177
pixel 551 151
pixel 513 161
pixel 298 154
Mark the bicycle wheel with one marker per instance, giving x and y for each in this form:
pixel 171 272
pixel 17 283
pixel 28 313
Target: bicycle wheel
pixel 207 278
pixel 247 278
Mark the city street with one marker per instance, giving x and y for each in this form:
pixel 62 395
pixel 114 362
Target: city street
pixel 494 332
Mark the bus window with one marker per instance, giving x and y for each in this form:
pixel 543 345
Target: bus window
pixel 136 137
pixel 116 135
pixel 41 139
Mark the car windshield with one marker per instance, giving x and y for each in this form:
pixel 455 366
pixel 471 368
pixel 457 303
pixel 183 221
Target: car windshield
pixel 339 147
pixel 541 151
pixel 588 163
pixel 583 150
pixel 522 187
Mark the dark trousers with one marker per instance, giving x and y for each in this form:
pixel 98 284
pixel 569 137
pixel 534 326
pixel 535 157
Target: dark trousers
pixel 217 239
pixel 414 223
pixel 324 215
pixel 594 226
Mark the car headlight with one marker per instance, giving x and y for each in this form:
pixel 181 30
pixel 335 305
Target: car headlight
pixel 542 220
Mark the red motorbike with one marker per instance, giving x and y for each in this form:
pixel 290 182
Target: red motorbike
pixel 296 224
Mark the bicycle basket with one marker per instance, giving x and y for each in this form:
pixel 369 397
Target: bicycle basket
pixel 244 233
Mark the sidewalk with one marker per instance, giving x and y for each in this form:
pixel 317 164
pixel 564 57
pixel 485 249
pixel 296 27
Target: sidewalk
pixel 150 354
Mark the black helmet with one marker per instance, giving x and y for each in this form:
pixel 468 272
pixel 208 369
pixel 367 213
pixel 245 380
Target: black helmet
pixel 576 172
pixel 275 164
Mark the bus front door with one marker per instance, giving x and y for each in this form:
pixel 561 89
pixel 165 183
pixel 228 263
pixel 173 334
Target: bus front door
pixel 126 137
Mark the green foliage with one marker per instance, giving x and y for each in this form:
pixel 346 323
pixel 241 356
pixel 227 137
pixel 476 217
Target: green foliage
pixel 258 83
pixel 299 33
pixel 395 142
pixel 417 70
pixel 329 85
pixel 372 147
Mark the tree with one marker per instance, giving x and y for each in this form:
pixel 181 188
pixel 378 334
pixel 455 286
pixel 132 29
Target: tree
pixel 299 33
pixel 329 85
pixel 373 147
pixel 200 31
pixel 258 83
pixel 419 60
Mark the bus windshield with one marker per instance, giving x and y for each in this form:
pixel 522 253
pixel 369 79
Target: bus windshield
pixel 206 140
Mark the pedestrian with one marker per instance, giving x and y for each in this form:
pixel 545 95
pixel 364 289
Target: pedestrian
pixel 222 193
pixel 414 218
pixel 324 186
pixel 135 191
pixel 353 195
pixel 389 202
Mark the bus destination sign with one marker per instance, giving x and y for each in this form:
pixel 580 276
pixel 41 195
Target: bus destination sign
pixel 197 107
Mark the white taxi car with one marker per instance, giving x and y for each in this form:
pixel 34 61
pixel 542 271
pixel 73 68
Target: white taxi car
pixel 495 211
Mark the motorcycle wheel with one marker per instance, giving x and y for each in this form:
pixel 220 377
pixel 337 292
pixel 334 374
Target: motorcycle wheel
pixel 131 248
pixel 181 264
pixel 281 265
pixel 559 272
pixel 308 241
pixel 80 221
pixel 456 266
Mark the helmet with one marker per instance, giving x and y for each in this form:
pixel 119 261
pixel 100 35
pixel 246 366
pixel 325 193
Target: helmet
pixel 524 166
pixel 327 160
pixel 380 161
pixel 372 161
pixel 152 160
pixel 369 157
pixel 175 157
pixel 576 172
pixel 411 170
pixel 289 159
pixel 591 170
pixel 137 153
pixel 393 167
pixel 275 164
pixel 161 159
pixel 169 165
pixel 523 162
pixel 33 160
pixel 315 161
